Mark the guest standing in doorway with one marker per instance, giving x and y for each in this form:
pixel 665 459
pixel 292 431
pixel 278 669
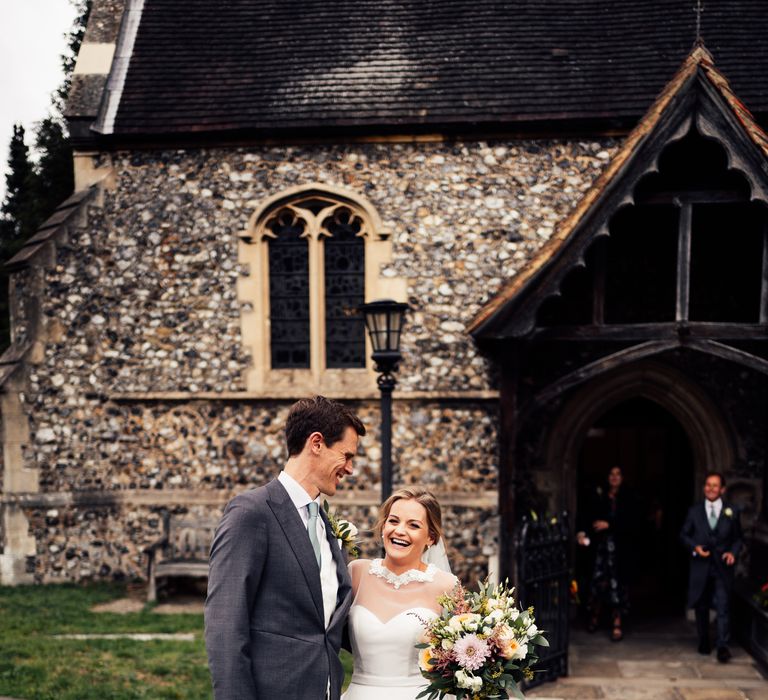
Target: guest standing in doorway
pixel 611 517
pixel 712 535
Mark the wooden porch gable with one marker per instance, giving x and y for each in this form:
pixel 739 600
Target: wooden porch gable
pixel 697 100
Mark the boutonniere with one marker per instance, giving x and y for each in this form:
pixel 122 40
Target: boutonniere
pixel 343 530
pixel 728 512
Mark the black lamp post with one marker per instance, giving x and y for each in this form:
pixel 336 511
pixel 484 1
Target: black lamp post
pixel 384 319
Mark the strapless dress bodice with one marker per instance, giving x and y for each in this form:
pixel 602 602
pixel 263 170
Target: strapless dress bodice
pixel 385 654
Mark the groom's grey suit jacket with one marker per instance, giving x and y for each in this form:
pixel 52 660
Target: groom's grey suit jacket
pixel 264 626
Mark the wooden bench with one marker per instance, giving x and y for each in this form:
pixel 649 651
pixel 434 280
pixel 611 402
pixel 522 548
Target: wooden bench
pixel 181 552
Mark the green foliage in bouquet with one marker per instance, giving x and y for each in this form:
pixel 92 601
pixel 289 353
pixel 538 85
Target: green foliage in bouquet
pixel 481 646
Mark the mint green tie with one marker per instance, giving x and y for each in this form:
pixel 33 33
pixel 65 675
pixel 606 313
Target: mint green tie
pixel 712 518
pixel 312 529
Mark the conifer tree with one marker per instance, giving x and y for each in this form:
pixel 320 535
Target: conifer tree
pixel 20 216
pixel 55 174
pixel 33 191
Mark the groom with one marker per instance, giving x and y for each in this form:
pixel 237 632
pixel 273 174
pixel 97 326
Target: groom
pixel 278 588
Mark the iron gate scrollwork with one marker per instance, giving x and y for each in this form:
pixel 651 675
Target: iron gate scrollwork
pixel 543 581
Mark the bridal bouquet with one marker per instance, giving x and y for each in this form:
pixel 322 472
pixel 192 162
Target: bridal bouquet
pixel 480 647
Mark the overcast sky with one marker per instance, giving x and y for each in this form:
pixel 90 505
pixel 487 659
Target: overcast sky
pixel 32 38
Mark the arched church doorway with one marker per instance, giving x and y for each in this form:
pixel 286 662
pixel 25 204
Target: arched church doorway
pixel 657 463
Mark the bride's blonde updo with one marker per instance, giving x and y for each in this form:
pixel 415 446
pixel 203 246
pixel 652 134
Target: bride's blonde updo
pixel 422 496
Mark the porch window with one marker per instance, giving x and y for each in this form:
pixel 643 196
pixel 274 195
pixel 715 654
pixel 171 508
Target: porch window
pixel 692 247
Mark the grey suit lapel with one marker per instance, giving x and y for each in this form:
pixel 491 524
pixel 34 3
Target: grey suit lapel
pixel 296 534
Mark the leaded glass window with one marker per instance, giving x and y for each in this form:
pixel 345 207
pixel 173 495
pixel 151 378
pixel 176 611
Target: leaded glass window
pixel 344 289
pixel 316 264
pixel 288 290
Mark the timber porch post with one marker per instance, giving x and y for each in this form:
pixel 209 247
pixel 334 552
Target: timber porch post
pixel 508 419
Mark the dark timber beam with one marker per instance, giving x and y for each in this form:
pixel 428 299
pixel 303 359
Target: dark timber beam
pixel 604 364
pixel 726 352
pixel 653 331
pixel 598 285
pixel 509 420
pixel 764 282
pixel 638 352
pixel 682 197
pixel 683 262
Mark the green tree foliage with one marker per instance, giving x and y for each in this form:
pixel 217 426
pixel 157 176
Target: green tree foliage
pixel 20 216
pixel 55 175
pixel 35 189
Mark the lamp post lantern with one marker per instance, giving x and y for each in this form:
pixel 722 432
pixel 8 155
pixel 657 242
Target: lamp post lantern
pixel 384 319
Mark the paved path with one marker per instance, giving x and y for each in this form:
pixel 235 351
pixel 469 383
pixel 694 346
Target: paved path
pixel 655 663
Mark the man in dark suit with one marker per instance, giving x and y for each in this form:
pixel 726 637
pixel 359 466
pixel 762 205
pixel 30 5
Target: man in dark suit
pixel 278 588
pixel 712 535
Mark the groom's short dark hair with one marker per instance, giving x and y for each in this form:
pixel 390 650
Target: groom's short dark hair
pixel 321 415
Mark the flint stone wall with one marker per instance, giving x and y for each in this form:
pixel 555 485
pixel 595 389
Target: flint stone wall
pixel 148 293
pixel 227 445
pixel 143 299
pixel 108 542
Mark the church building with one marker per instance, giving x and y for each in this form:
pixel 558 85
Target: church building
pixel 571 197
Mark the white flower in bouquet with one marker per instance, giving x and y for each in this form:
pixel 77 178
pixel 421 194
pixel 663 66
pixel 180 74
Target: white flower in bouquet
pixel 468 681
pixel 509 645
pixel 494 617
pixel 465 622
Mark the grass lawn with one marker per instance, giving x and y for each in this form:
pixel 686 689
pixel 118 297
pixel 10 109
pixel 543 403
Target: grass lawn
pixel 34 666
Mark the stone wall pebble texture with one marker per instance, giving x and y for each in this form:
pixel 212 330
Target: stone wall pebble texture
pixel 108 542
pixel 143 299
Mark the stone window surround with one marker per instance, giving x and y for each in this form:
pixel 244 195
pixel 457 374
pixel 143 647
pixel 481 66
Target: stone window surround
pixel 253 293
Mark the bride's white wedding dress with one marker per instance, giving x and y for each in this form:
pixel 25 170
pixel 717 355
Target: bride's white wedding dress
pixel 385 624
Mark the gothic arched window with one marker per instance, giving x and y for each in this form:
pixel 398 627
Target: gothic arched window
pixel 313 258
pixel 331 233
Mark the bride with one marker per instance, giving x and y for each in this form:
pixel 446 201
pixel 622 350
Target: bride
pixel 392 598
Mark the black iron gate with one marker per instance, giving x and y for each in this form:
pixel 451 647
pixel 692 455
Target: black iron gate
pixel 543 581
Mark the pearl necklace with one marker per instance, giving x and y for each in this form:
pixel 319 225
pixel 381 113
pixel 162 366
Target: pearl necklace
pixel 377 568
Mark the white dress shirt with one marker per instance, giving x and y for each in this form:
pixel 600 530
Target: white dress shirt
pixel 328 574
pixel 717 505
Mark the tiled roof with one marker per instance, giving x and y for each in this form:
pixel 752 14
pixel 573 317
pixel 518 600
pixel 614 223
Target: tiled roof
pixel 270 64
pixel 699 60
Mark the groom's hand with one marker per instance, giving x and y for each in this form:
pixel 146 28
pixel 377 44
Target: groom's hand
pixel 700 551
pixel 728 558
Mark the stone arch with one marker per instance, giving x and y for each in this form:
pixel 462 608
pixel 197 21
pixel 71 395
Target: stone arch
pixel 700 419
